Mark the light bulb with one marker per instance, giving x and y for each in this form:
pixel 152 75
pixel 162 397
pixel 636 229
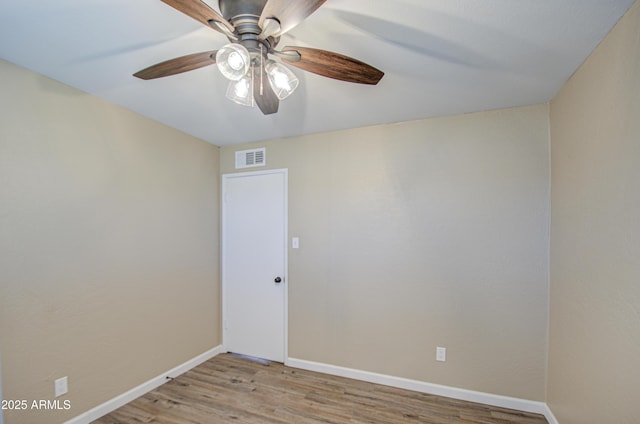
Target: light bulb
pixel 241 88
pixel 235 61
pixel 241 91
pixel 282 80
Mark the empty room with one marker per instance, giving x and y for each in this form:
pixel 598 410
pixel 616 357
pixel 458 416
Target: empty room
pixel 312 211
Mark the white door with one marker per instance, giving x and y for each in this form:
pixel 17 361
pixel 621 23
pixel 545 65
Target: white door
pixel 254 263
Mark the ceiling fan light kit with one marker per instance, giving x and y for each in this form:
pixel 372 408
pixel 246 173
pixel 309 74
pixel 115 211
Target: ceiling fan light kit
pixel 241 91
pixel 253 29
pixel 233 61
pixel 282 80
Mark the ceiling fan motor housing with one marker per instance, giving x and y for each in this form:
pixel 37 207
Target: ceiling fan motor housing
pixel 244 15
pixel 233 8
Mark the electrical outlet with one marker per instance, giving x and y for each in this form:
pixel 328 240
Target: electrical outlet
pixel 60 386
pixel 441 354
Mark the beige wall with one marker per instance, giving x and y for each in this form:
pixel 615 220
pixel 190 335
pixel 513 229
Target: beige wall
pixel 422 234
pixel 415 235
pixel 108 246
pixel 594 354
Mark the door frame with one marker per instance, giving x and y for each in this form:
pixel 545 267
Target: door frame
pixel 226 177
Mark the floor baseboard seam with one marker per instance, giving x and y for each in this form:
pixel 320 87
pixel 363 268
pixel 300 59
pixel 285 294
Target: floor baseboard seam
pixel 428 388
pixel 128 396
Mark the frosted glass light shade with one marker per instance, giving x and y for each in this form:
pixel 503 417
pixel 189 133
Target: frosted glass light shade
pixel 282 80
pixel 233 61
pixel 241 91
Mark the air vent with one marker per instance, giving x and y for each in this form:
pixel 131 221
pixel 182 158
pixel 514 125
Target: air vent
pixel 251 158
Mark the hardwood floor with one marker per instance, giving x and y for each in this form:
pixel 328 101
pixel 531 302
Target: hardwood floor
pixel 233 389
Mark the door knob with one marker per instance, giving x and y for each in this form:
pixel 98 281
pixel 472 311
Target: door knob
pixel 277 280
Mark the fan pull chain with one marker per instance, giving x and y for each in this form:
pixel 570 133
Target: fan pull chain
pixel 261 70
pixel 253 100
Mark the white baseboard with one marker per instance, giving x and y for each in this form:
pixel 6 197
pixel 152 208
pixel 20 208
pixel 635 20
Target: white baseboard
pixel 387 380
pixel 549 415
pixel 118 401
pixel 429 388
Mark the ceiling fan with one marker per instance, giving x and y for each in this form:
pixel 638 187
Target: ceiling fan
pixel 253 28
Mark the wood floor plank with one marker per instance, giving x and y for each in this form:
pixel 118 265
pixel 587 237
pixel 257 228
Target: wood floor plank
pixel 233 389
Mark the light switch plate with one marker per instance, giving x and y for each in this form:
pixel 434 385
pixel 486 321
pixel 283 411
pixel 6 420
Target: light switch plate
pixel 60 386
pixel 441 354
pixel 295 243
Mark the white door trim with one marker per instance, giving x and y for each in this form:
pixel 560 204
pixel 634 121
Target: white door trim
pixel 226 177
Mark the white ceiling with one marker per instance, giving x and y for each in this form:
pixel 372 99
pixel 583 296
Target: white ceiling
pixel 440 57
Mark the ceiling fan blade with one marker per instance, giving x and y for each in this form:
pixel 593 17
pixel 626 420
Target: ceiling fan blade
pixel 177 65
pixel 289 12
pixel 199 11
pixel 334 65
pixel 263 94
